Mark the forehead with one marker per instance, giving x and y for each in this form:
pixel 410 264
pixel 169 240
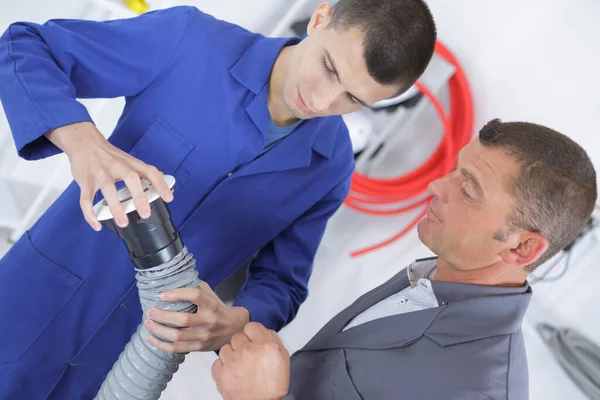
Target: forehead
pixel 347 52
pixel 494 168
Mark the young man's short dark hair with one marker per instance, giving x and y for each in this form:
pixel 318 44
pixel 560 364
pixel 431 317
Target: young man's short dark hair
pixel 400 37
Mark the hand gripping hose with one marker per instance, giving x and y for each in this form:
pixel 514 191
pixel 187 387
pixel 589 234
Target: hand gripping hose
pixel 162 263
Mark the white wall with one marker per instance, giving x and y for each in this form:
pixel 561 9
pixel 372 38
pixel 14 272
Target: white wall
pixel 534 60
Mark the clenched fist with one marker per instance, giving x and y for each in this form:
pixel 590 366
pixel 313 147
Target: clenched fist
pixel 255 366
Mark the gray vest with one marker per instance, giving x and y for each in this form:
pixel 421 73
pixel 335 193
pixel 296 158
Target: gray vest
pixel 470 347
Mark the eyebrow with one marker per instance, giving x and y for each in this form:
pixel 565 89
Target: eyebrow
pixel 339 80
pixel 473 180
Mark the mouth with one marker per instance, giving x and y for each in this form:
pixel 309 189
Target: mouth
pixel 431 215
pixel 302 105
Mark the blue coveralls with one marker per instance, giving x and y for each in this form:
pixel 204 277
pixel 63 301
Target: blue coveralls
pixel 196 108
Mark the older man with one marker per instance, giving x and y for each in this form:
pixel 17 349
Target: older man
pixel 447 327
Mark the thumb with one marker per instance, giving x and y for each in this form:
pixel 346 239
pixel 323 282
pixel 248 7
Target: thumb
pixel 216 370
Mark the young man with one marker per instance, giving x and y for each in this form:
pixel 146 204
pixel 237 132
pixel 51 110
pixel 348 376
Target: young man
pixel 248 126
pixel 447 327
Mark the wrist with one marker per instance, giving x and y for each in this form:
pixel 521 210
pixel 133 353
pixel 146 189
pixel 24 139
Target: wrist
pixel 240 317
pixel 70 137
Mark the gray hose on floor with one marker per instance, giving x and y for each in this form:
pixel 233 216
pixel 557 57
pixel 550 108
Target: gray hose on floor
pixel 578 356
pixel 143 371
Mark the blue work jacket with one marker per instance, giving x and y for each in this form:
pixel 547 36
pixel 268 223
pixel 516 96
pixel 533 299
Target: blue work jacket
pixel 196 108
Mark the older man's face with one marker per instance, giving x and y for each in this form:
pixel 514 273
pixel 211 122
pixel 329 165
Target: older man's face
pixel 470 208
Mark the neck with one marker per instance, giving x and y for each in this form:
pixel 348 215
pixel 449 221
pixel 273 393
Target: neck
pixel 279 112
pixel 498 274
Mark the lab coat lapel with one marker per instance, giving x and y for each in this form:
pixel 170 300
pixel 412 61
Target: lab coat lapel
pixel 327 337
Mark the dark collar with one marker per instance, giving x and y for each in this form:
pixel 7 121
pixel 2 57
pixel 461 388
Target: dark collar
pixel 466 313
pixel 475 312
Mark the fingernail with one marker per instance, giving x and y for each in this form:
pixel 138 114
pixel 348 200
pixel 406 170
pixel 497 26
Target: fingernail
pixel 97 226
pixel 165 296
pixel 147 323
pixel 151 313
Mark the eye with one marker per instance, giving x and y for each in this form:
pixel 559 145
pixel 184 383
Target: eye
pixel 329 70
pixel 466 195
pixel 352 99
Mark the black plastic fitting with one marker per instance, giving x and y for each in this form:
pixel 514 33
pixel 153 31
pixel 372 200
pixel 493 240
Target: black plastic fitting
pixel 152 241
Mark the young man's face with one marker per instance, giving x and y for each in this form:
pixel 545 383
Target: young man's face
pixel 470 209
pixel 327 73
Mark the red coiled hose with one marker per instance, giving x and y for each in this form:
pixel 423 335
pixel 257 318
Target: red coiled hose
pixel 366 194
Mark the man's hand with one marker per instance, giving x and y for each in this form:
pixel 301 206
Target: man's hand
pixel 212 326
pixel 255 366
pixel 96 165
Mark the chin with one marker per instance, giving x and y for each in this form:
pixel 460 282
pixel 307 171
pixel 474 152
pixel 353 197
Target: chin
pixel 422 236
pixel 296 113
pixel 422 231
pixel 426 236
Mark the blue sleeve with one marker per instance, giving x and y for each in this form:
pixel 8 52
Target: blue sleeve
pixel 44 68
pixel 277 279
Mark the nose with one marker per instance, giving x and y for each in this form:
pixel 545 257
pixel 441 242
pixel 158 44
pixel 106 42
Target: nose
pixel 325 97
pixel 438 188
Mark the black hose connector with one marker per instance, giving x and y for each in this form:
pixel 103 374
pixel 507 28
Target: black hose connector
pixel 152 241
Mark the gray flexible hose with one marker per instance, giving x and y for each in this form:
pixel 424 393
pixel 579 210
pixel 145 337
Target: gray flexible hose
pixel 578 356
pixel 143 371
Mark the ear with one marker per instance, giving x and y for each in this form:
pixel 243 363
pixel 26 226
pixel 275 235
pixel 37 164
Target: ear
pixel 529 249
pixel 320 17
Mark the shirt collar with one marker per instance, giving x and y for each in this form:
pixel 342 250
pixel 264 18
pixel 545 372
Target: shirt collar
pixel 425 268
pixel 421 269
pixel 472 312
